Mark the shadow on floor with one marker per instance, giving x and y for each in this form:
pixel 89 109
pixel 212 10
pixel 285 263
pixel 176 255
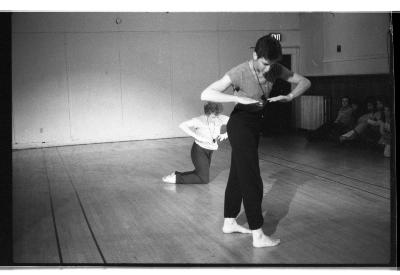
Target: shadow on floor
pixel 276 201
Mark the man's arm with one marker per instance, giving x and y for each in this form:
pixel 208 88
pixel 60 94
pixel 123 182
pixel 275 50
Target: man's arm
pixel 214 93
pixel 302 85
pixel 339 117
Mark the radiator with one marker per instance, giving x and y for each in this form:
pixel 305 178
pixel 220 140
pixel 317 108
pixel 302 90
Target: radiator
pixel 312 111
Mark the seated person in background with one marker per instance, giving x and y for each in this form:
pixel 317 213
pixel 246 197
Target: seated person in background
pixel 356 111
pixel 367 127
pixel 384 129
pixel 206 131
pixel 332 130
pixel 369 113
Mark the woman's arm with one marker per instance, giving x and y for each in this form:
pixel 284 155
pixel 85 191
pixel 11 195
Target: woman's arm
pixel 224 119
pixel 223 136
pixel 186 127
pixel 302 85
pixel 214 93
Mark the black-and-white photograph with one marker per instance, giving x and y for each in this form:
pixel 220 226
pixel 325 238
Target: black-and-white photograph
pixel 202 138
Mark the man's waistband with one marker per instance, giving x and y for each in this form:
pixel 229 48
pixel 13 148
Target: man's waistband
pixel 255 108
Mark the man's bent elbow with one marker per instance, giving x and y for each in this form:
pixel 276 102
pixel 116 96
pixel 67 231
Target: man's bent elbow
pixel 307 83
pixel 182 125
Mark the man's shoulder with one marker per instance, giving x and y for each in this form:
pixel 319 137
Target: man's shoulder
pixel 239 68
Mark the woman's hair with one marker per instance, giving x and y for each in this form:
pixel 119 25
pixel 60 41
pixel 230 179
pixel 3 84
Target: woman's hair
pixel 269 48
pixel 213 108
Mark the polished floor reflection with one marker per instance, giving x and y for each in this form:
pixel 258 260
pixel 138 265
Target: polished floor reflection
pixel 106 204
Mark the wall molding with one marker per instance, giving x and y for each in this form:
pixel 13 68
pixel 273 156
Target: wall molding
pixel 38 145
pixel 356 58
pixel 158 31
pixel 346 75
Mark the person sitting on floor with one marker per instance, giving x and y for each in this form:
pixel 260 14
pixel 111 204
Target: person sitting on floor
pixel 342 123
pixel 384 129
pixel 367 127
pixel 357 112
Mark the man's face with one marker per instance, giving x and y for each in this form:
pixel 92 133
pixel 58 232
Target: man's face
pixel 262 65
pixel 345 102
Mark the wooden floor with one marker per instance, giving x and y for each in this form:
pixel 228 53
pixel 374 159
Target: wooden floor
pixel 106 204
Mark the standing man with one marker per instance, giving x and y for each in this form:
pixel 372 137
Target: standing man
pixel 252 82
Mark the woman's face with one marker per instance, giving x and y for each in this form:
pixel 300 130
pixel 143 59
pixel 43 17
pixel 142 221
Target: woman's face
pixel 212 116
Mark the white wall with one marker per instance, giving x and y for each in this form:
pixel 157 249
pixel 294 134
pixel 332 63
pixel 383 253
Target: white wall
pixel 362 36
pixel 82 78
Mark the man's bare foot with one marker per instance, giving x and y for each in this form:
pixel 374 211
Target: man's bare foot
pixel 262 240
pixel 231 226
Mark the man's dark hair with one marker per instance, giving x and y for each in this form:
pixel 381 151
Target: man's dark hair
pixel 269 48
pixel 213 108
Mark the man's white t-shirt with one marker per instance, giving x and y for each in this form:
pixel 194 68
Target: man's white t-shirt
pixel 207 128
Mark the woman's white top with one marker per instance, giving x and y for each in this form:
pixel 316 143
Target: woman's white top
pixel 208 128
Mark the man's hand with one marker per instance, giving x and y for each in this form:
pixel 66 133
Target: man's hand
pixel 280 98
pixel 245 100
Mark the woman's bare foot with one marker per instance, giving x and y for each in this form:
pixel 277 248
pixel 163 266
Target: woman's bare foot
pixel 170 178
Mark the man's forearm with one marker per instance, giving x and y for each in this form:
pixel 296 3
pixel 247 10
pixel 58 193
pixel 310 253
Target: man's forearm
pixel 300 88
pixel 215 96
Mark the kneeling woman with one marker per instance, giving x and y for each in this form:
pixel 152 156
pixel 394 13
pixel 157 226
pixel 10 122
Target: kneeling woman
pixel 206 131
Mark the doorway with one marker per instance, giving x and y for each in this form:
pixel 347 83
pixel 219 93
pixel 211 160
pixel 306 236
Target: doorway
pixel 278 115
